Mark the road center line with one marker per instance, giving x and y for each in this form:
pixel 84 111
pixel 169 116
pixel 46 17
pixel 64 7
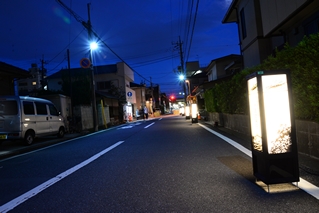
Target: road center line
pixel 24 197
pixel 303 184
pixel 149 125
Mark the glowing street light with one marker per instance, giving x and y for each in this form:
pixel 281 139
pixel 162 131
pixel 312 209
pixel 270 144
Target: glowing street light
pixel 93 46
pixel 181 77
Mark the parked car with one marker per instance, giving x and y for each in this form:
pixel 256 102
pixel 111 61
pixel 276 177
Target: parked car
pixel 23 117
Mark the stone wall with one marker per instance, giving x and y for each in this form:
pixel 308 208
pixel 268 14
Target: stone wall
pixel 307 132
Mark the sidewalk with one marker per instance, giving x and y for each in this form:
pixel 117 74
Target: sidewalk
pixel 308 166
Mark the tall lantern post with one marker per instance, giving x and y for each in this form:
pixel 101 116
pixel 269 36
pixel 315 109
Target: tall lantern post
pixel 273 140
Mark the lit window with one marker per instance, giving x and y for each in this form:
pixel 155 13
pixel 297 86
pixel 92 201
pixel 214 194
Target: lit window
pixel 34 83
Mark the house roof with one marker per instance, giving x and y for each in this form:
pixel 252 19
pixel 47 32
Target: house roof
pixel 231 14
pixel 235 57
pixel 132 85
pixel 11 71
pixel 103 69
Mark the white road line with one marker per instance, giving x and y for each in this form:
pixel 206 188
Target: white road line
pixel 24 197
pixel 303 184
pixel 149 125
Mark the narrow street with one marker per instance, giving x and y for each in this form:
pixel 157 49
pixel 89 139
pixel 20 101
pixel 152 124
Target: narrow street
pixel 161 165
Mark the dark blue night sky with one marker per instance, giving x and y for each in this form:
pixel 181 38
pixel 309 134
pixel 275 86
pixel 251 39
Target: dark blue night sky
pixel 142 32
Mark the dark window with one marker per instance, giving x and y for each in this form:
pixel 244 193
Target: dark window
pixel 103 85
pixel 23 84
pixel 312 27
pixel 41 108
pixel 53 110
pixel 243 23
pixel 8 108
pixel 28 108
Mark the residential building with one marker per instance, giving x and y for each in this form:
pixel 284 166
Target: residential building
pixel 265 25
pixel 107 78
pixel 8 75
pixel 140 96
pixel 224 66
pixel 195 76
pixel 152 97
pixel 217 70
pixel 36 81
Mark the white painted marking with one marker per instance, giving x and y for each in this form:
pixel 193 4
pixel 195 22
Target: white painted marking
pixel 149 125
pixel 24 197
pixel 302 184
pixel 228 140
pixel 126 127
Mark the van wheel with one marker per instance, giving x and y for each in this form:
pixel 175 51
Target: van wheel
pixel 61 132
pixel 29 138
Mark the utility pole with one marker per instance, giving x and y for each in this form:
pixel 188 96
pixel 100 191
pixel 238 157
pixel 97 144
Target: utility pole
pixel 70 82
pixel 87 26
pixel 152 99
pixel 95 124
pixel 182 70
pixel 42 72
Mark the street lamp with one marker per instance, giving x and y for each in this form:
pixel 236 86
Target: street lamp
pixel 93 45
pixel 182 78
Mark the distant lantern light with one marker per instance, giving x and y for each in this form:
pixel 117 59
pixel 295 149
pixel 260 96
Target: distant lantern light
pixel 187 112
pixel 93 46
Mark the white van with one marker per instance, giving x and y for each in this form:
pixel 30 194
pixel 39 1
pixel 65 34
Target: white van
pixel 23 117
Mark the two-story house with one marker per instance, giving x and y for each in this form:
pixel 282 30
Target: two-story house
pixel 264 25
pixel 217 70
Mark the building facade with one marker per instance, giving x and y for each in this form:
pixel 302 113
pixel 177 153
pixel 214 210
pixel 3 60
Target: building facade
pixel 35 82
pixel 265 25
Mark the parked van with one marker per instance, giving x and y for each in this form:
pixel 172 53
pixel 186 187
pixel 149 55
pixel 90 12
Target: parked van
pixel 23 117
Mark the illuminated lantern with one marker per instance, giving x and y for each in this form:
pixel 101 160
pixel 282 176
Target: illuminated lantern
pixel 194 113
pixel 273 140
pixel 187 112
pixel 182 111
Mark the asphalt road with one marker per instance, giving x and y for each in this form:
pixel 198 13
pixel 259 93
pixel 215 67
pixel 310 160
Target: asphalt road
pixel 161 165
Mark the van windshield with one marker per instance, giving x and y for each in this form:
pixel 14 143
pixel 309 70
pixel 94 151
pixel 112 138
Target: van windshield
pixel 9 107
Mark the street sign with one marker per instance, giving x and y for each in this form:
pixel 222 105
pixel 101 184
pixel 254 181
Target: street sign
pixel 129 94
pixel 85 63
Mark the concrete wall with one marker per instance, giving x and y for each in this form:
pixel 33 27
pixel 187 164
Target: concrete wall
pixel 307 132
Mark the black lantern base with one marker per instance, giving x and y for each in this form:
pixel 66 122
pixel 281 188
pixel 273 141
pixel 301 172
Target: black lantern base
pixel 276 168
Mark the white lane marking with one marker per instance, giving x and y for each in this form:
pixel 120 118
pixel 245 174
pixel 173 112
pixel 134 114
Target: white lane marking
pixel 149 125
pixel 228 140
pixel 24 197
pixel 125 127
pixel 302 184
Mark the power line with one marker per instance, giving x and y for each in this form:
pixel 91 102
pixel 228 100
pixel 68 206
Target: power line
pixel 189 48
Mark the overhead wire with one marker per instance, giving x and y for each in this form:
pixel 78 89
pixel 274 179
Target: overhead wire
pixel 191 39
